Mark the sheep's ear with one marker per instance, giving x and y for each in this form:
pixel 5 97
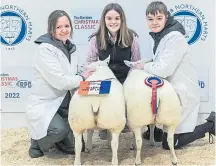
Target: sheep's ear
pixel 91 65
pixel 130 64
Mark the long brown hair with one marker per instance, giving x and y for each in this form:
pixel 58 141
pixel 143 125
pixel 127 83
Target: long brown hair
pixel 125 34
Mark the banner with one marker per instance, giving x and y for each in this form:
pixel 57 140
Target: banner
pixel 22 23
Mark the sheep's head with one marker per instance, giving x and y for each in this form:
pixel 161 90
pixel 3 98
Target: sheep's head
pixel 102 70
pixel 99 63
pixel 133 64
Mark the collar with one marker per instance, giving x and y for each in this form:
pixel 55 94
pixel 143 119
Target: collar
pixel 113 39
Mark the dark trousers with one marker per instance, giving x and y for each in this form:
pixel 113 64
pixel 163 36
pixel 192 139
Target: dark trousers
pixel 59 132
pixel 183 139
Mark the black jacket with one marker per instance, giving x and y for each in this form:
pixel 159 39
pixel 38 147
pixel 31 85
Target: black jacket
pixel 117 57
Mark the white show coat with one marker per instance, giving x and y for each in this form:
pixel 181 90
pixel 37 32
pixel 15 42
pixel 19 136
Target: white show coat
pixel 173 62
pixel 53 76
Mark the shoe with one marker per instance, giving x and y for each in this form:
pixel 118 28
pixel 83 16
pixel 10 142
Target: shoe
pixel 103 134
pixel 34 150
pixel 158 134
pixel 67 148
pixel 71 152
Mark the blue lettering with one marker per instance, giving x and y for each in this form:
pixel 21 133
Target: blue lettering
pixel 201 84
pixel 24 84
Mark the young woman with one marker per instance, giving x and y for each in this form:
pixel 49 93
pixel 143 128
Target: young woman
pixel 113 38
pixel 55 75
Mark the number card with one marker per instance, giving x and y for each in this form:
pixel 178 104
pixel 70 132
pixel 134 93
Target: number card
pixel 94 87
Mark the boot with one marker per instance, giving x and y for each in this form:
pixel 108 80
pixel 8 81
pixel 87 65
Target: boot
pixel 165 143
pixel 34 150
pixel 158 134
pixel 183 139
pixel 67 145
pixel 211 119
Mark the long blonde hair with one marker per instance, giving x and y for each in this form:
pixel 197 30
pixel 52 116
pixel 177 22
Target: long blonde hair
pixel 125 34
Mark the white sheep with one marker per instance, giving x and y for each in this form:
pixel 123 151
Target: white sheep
pixel 138 97
pixel 98 111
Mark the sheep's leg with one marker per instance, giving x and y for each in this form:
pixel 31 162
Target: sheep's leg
pixel 109 136
pixel 133 144
pixel 170 140
pixel 89 140
pixel 152 141
pixel 114 146
pixel 78 147
pixel 138 136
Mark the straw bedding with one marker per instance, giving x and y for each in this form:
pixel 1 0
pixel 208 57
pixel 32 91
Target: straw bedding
pixel 15 144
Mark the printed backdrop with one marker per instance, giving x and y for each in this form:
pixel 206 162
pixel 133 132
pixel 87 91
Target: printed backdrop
pixel 22 23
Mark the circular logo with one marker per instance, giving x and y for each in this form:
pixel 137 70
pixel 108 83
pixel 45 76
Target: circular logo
pixel 13 28
pixel 191 23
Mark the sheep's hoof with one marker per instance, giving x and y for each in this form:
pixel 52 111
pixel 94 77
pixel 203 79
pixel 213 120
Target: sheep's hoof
pixel 174 163
pixel 137 162
pixel 76 163
pixel 114 162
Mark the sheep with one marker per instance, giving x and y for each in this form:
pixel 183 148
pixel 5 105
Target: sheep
pixel 98 111
pixel 139 111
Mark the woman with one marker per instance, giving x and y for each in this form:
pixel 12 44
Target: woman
pixel 173 62
pixel 55 75
pixel 114 38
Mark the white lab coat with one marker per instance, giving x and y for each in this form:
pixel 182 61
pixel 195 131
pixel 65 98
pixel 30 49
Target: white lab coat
pixel 53 76
pixel 173 62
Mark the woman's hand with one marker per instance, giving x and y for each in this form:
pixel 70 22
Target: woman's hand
pixel 138 66
pixel 87 73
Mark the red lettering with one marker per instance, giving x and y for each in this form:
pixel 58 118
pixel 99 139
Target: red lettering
pixel 86 21
pixel 6 83
pixel 9 78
